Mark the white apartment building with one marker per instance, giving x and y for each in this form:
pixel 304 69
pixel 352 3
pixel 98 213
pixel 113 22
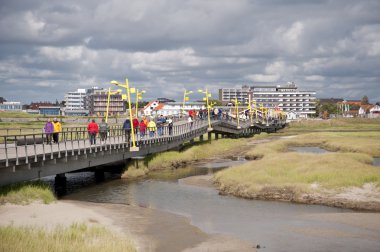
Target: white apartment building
pixel 287 98
pixel 75 100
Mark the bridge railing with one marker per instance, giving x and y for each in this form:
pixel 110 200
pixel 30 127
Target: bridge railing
pixel 29 147
pixel 38 130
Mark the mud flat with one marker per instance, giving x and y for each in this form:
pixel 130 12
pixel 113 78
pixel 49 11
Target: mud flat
pixel 151 230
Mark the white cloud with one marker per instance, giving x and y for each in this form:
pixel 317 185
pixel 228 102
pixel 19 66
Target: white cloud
pixel 263 78
pixel 314 78
pixel 70 53
pixel 290 38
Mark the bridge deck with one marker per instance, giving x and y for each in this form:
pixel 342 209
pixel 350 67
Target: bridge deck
pixel 75 152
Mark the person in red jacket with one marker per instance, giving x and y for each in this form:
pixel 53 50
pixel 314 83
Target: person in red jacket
pixel 92 129
pixel 142 128
pixel 135 123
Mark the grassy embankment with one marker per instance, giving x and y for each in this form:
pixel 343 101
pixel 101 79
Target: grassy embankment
pixel 174 159
pixel 77 237
pixel 341 124
pixel 26 193
pixel 280 174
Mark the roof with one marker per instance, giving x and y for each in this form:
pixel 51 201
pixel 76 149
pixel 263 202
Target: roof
pixel 350 102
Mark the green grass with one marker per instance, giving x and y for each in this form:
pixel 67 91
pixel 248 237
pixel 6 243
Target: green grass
pixel 220 147
pixel 349 165
pixel 26 193
pixel 358 142
pixel 349 124
pixel 77 237
pixel 4 114
pixel 300 170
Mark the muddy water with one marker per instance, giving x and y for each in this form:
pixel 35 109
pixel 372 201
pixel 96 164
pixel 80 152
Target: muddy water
pixel 275 226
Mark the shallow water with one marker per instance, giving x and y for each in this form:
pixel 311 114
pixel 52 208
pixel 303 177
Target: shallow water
pixel 376 161
pixel 308 150
pixel 276 226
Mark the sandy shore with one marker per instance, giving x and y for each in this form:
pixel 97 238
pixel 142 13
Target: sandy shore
pixel 150 229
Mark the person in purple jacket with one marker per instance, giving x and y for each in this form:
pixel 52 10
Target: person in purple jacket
pixel 49 130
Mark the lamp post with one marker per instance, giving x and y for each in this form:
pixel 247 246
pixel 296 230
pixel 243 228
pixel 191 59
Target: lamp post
pixel 208 106
pixel 185 98
pixel 126 86
pixel 257 119
pixel 108 100
pixel 237 113
pixel 262 112
pixel 138 97
pixel 250 109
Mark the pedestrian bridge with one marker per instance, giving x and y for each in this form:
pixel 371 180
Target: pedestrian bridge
pixel 26 156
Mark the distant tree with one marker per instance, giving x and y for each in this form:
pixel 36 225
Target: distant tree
pixel 216 102
pixel 365 100
pixel 330 108
pixel 317 106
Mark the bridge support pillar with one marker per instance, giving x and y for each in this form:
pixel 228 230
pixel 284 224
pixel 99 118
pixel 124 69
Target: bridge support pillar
pixel 60 184
pixel 209 136
pixel 99 175
pixel 201 138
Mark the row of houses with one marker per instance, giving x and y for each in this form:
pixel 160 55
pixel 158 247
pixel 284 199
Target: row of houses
pixel 354 108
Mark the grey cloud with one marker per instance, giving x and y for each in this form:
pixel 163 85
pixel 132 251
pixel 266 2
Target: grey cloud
pixel 50 47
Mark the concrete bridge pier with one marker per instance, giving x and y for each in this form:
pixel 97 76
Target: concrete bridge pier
pixel 209 136
pixel 99 175
pixel 60 184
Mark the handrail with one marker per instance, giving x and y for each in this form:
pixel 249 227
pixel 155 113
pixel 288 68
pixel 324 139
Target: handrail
pixel 27 148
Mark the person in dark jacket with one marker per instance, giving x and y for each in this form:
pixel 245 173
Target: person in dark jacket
pixel 103 130
pixel 127 130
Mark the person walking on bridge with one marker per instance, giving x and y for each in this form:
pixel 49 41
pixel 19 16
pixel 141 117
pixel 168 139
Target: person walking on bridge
pixel 57 128
pixel 142 126
pixel 103 130
pixel 92 129
pixel 151 127
pixel 49 130
pixel 127 130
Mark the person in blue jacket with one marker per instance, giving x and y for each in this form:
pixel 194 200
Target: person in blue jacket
pixel 127 130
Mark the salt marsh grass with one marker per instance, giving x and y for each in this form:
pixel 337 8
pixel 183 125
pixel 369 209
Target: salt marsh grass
pixel 26 193
pixel 77 237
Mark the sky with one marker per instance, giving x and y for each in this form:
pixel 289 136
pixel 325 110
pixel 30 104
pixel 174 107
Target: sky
pixel 48 48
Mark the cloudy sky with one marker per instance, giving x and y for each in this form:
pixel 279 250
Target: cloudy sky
pixel 50 47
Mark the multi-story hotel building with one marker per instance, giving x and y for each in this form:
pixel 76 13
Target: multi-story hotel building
pixel 285 98
pixel 96 102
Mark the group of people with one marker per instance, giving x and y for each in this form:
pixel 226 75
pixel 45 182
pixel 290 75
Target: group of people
pixel 52 130
pixel 143 127
pixel 147 126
